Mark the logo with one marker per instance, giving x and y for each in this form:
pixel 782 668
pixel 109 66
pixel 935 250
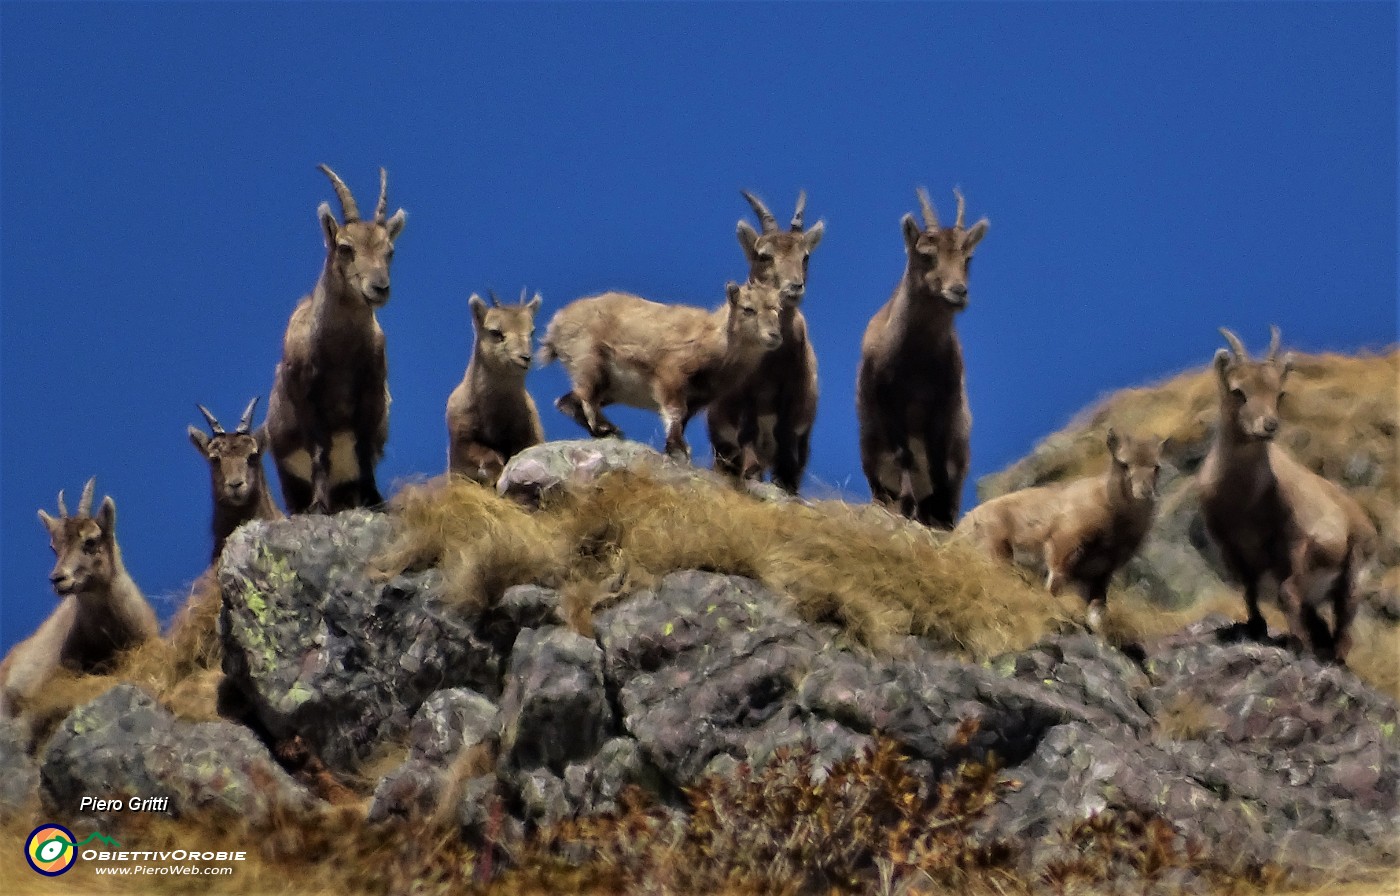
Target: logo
pixel 52 849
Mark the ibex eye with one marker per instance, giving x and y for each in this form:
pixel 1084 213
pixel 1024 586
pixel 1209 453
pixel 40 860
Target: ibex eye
pixel 750 311
pixel 345 249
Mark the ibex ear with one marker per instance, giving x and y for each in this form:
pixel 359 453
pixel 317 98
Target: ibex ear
pixel 1166 446
pixel 975 234
pixel 1113 442
pixel 107 516
pixel 200 440
pixel 329 224
pixel 261 437
pixel 533 306
pixel 49 523
pixel 815 235
pixel 911 231
pixel 478 310
pixel 1222 362
pixel 1286 363
pixel 748 239
pixel 731 292
pixel 395 224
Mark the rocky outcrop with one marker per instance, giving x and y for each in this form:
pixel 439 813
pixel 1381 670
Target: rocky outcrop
pixel 122 746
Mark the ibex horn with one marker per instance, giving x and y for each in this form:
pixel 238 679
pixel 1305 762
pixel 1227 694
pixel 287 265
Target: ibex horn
pixel 246 424
pixel 524 294
pixel 797 215
pixel 930 216
pixel 85 502
pixel 495 302
pixel 214 426
pixel 765 217
pixel 348 208
pixel 962 207
pixel 1273 342
pixel 383 205
pixel 1235 345
pixel 62 508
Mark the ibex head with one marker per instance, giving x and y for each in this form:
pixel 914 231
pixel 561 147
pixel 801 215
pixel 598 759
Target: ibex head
pixel 1251 391
pixel 1137 463
pixel 779 257
pixel 939 257
pixel 753 314
pixel 505 334
pixel 359 251
pixel 235 458
pixel 85 545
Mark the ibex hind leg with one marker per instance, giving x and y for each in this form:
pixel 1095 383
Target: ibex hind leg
pixel 296 493
pixel 585 415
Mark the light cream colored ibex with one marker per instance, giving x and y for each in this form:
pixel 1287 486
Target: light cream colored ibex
pixel 1082 531
pixel 911 400
pixel 328 414
pixel 621 348
pixel 236 475
pixel 101 611
pixel 490 415
pixel 765 423
pixel 1274 518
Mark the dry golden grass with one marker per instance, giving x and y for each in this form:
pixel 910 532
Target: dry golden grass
pixel 872 574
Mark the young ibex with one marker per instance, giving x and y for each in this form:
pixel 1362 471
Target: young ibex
pixel 621 348
pixel 235 474
pixel 101 610
pixel 328 414
pixel 765 423
pixel 1272 516
pixel 490 415
pixel 1083 531
pixel 911 400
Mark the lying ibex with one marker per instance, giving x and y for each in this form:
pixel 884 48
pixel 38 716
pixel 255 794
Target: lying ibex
pixel 1082 531
pixel 490 415
pixel 621 348
pixel 328 414
pixel 911 400
pixel 101 611
pixel 765 424
pixel 235 473
pixel 1272 516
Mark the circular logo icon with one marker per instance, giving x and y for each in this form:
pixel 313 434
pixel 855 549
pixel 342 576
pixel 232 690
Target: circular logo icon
pixel 50 849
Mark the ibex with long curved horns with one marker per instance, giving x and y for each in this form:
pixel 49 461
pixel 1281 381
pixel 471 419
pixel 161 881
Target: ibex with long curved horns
pixel 1272 516
pixel 328 414
pixel 765 424
pixel 236 474
pixel 101 611
pixel 911 399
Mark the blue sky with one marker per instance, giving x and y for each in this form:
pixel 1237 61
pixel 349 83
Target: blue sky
pixel 1151 172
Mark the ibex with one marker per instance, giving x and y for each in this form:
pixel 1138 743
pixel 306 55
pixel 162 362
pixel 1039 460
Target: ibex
pixel 765 423
pixel 1273 517
pixel 911 400
pixel 101 611
pixel 621 348
pixel 490 415
pixel 328 414
pixel 1083 531
pixel 235 474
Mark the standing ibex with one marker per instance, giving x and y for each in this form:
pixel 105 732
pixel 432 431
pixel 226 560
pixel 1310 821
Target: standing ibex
pixel 490 415
pixel 911 400
pixel 328 414
pixel 1272 516
pixel 621 348
pixel 1083 530
pixel 235 473
pixel 101 610
pixel 765 423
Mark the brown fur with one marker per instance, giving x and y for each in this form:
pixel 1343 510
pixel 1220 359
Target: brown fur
pixel 911 400
pixel 328 414
pixel 765 424
pixel 101 611
pixel 1082 531
pixel 236 475
pixel 621 348
pixel 1273 517
pixel 490 415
